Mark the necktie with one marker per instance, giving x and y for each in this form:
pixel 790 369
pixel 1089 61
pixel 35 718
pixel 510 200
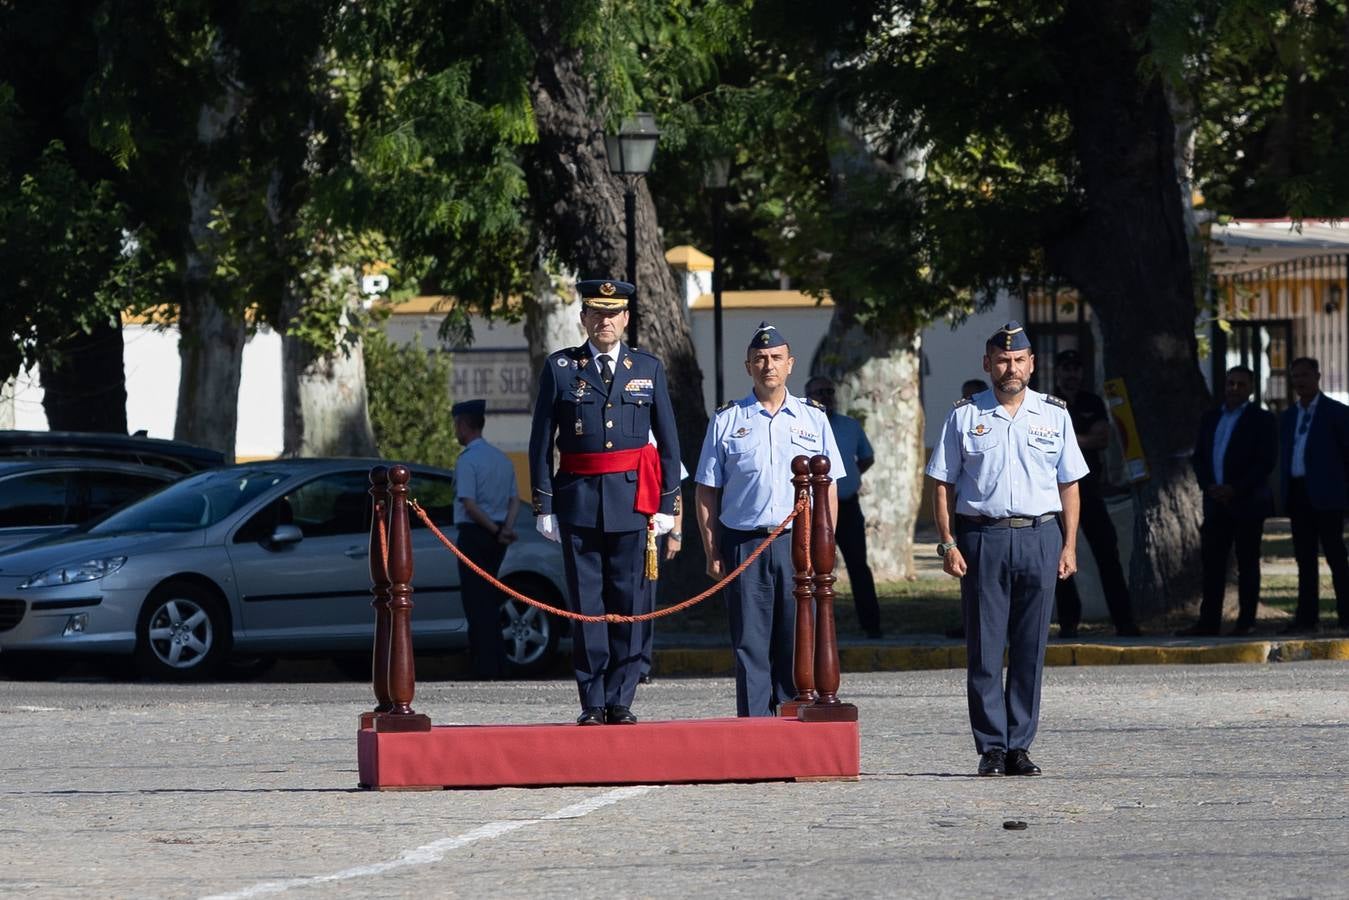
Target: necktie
pixel 1306 415
pixel 606 370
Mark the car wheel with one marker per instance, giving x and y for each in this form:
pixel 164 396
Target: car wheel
pixel 530 634
pixel 182 633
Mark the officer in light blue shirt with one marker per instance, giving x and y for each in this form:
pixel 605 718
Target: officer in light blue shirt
pixel 485 505
pixel 1007 466
pixel 745 490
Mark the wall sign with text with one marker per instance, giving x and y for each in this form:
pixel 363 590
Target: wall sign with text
pixel 501 377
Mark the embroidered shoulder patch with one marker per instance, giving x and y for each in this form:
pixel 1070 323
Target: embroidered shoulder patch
pixel 961 402
pixel 815 403
pixel 1060 403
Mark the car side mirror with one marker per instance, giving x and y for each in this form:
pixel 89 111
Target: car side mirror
pixel 286 534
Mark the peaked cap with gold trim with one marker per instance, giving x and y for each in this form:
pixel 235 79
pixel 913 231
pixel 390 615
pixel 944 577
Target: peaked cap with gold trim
pixel 1010 337
pixel 605 294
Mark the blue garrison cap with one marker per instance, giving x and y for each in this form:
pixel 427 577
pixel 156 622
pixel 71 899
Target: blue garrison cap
pixel 605 294
pixel 1010 337
pixel 767 336
pixel 469 408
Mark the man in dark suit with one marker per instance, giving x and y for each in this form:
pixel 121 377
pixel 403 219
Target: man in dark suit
pixel 601 404
pixel 1315 467
pixel 1233 457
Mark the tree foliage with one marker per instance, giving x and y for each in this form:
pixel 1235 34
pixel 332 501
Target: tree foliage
pixel 409 406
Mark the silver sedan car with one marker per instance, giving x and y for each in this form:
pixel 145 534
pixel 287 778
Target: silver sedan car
pixel 254 560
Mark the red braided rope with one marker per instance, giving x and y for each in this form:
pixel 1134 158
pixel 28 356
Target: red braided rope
pixel 608 617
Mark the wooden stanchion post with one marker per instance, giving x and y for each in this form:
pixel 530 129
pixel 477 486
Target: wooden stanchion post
pixel 402 671
pixel 379 586
pixel 827 707
pixel 804 662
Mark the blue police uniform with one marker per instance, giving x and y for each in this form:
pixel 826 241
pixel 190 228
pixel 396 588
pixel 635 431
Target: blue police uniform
pixel 484 475
pixel 603 537
pixel 748 454
pixel 1006 470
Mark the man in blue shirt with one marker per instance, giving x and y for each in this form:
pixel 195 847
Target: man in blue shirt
pixel 1234 454
pixel 745 490
pixel 485 505
pixel 1007 464
pixel 850 531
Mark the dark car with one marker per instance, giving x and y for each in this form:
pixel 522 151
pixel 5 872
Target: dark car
pixel 42 498
pixel 132 448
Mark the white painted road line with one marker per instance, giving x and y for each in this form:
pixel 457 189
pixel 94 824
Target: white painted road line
pixel 435 851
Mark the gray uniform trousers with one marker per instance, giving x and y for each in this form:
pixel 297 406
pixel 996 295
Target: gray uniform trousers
pixel 1007 596
pixel 762 615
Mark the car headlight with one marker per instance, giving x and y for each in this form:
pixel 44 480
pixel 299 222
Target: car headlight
pixel 91 570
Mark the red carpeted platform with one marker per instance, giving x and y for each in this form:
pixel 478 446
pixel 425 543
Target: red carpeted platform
pixel 480 756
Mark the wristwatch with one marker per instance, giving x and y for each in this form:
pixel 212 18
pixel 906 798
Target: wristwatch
pixel 943 547
pixel 678 536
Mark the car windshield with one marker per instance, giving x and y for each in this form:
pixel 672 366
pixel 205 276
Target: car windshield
pixel 197 501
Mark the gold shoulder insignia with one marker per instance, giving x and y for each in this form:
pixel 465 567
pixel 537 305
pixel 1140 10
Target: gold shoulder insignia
pixel 961 402
pixel 1062 404
pixel 725 406
pixel 815 403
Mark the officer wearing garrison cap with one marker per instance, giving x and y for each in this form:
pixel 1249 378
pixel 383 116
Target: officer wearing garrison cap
pixel 613 491
pixel 485 506
pixel 1007 466
pixel 745 490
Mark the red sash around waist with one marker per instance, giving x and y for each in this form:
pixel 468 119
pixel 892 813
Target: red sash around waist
pixel 646 461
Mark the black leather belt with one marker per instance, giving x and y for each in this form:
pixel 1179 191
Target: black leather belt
pixel 1009 521
pixel 754 532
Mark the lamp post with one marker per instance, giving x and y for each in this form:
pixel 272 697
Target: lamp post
pixel 715 180
pixel 630 153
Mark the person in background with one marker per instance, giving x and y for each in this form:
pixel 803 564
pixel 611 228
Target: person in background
pixel 1091 422
pixel 1007 466
pixel 1314 470
pixel 1234 454
pixel 850 532
pixel 485 506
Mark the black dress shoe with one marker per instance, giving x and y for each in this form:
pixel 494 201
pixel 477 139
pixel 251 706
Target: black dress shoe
pixel 1299 628
pixel 591 715
pixel 993 762
pixel 1128 631
pixel 1242 630
pixel 1018 763
pixel 1067 631
pixel 644 679
pixel 1197 630
pixel 619 715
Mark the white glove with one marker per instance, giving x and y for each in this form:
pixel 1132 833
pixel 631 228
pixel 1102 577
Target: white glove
pixel 664 523
pixel 547 526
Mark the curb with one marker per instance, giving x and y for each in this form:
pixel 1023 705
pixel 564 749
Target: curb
pixel 678 662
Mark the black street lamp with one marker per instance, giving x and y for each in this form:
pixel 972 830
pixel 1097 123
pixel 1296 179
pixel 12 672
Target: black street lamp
pixel 715 179
pixel 630 153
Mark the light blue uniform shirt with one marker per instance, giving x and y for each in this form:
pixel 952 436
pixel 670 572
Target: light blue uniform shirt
pixel 748 454
pixel 484 475
pixel 853 446
pixel 1005 465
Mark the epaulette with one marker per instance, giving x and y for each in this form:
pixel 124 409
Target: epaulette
pixel 961 402
pixel 725 406
pixel 1062 404
pixel 817 404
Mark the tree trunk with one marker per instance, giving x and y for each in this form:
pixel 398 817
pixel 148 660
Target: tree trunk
pixel 552 315
pixel 84 382
pixel 579 207
pixel 1129 256
pixel 211 340
pixel 878 384
pixel 324 396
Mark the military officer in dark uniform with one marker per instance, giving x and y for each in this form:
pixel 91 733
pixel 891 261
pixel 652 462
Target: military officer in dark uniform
pixel 1091 422
pixel 1008 463
pixel 612 491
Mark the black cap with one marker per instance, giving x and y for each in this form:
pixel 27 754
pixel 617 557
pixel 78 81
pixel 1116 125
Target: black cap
pixel 605 294
pixel 469 408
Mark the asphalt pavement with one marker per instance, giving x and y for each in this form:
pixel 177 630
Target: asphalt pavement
pixel 1172 781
